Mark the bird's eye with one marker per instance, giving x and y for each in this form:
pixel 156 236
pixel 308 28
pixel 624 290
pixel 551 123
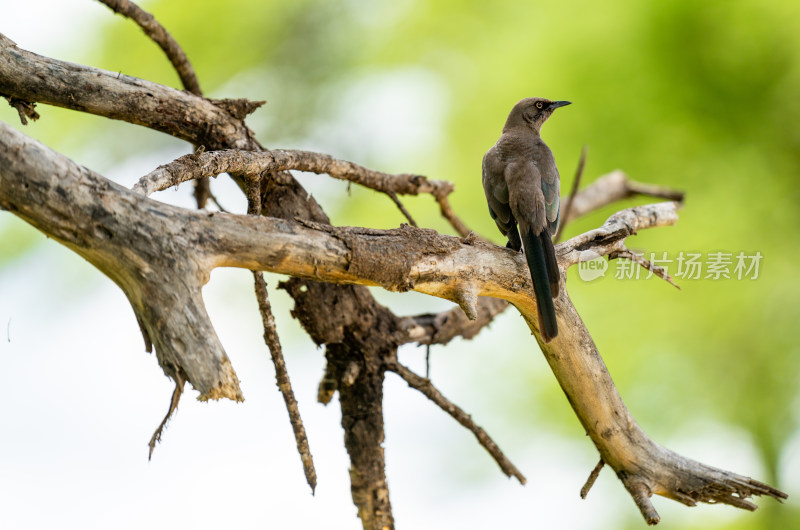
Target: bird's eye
pixel 539 105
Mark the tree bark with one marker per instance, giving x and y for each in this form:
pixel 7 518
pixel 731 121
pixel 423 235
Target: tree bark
pixel 114 229
pixel 161 256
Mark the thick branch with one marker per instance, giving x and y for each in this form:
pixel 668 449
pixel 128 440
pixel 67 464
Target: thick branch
pixel 34 78
pixel 132 243
pixel 217 125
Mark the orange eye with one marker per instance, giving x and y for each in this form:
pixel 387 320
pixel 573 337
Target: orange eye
pixel 539 105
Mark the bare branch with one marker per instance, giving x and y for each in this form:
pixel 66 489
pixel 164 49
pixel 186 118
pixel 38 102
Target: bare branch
pixel 213 163
pixel 646 264
pixel 276 351
pixel 284 383
pixel 34 78
pixel 641 496
pixel 449 214
pixel 148 247
pixel 610 237
pixel 216 125
pixel 254 164
pixel 144 255
pixel 426 387
pixel 392 195
pixel 160 36
pixel 173 406
pixel 443 327
pixel 611 188
pixel 592 478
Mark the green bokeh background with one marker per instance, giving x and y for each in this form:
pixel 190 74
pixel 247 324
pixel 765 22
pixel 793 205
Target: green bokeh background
pixel 699 96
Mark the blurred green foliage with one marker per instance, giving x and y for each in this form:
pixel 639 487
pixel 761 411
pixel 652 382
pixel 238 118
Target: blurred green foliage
pixel 700 96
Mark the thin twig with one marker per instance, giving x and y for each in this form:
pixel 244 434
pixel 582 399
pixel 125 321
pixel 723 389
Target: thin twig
pixel 613 187
pixel 592 478
pixel 276 351
pixel 426 387
pixel 661 272
pixel 213 198
pixel 173 406
pixel 392 195
pixel 160 36
pixel 574 191
pixel 428 362
pixel 284 383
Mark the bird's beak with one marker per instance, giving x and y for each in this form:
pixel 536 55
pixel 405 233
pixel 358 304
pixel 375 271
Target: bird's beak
pixel 554 105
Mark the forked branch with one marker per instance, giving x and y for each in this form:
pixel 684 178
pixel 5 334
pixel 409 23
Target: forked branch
pixel 400 259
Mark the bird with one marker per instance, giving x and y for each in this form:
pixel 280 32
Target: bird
pixel 522 187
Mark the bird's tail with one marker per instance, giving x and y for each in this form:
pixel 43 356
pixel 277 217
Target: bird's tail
pixel 542 263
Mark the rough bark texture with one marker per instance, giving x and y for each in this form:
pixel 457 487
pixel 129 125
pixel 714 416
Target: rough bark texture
pixel 355 330
pixel 135 243
pixel 32 78
pixel 161 256
pixel 360 346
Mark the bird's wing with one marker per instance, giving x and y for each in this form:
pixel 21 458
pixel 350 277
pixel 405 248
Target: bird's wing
pixel 496 190
pixel 526 197
pixel 551 189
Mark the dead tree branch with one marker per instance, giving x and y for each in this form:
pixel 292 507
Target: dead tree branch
pixel 173 406
pixel 253 164
pixel 425 386
pixel 284 383
pixel 113 228
pixel 646 264
pixel 441 328
pixel 276 351
pixel 614 187
pixel 33 78
pixel 160 36
pixel 161 256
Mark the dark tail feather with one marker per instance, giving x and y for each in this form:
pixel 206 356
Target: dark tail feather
pixel 536 255
pixel 550 259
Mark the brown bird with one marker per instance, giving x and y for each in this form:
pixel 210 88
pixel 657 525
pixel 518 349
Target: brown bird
pixel 521 182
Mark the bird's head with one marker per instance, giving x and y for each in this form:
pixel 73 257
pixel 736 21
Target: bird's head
pixel 532 112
